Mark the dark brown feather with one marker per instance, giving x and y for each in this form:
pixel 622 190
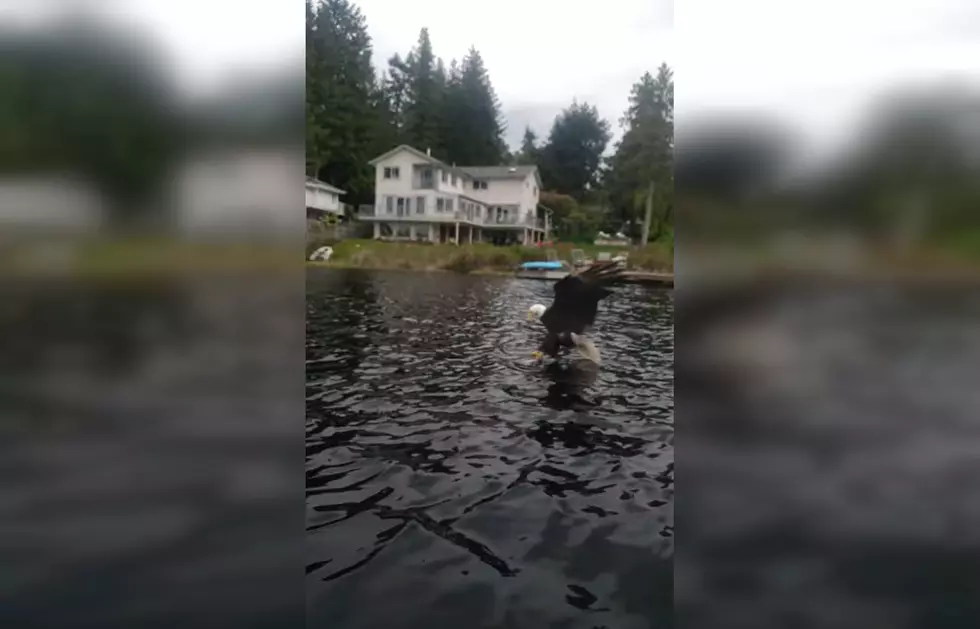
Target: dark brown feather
pixel 577 298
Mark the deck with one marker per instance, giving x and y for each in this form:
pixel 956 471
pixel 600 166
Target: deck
pixel 649 278
pixel 646 278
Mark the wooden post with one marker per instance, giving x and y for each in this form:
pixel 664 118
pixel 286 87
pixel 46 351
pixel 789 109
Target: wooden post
pixel 470 230
pixel 457 232
pixel 649 217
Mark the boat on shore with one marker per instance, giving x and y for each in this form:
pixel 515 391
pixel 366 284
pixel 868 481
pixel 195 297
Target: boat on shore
pixel 546 270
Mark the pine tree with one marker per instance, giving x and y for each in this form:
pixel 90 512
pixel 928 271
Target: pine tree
pixel 395 85
pixel 571 160
pixel 473 122
pixel 645 154
pixel 425 90
pixel 529 148
pixel 342 123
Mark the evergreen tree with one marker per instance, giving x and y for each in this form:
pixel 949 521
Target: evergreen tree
pixel 645 154
pixel 340 94
pixel 529 152
pixel 396 93
pixel 473 123
pixel 425 91
pixel 571 159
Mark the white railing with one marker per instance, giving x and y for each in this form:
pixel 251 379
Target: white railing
pixel 405 214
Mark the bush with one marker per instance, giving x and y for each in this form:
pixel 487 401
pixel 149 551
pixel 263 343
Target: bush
pixel 464 262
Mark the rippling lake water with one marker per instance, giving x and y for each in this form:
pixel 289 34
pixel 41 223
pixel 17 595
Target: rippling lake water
pixel 445 484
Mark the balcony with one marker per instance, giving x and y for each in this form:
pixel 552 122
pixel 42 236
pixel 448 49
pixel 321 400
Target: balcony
pixel 372 212
pixel 514 221
pixel 423 178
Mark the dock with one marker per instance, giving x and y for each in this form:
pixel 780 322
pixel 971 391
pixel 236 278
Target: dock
pixel 649 278
pixel 645 278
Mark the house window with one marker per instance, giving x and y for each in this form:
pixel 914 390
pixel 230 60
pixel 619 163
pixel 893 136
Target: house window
pixel 445 176
pixel 439 204
pixel 454 180
pixel 420 205
pixel 478 211
pixel 427 176
pixel 401 206
pixel 391 172
pixel 449 205
pixel 390 204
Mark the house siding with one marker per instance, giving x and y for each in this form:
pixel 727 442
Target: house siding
pixel 317 197
pixel 469 207
pixel 404 161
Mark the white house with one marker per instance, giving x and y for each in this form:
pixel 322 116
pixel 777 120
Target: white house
pixel 322 198
pixel 418 197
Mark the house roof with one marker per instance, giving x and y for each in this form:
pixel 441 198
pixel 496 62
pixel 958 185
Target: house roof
pixel 472 172
pixel 417 153
pixel 499 172
pixel 503 172
pixel 324 185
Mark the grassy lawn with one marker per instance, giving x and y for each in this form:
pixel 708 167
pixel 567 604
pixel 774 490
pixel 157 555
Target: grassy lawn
pixel 475 258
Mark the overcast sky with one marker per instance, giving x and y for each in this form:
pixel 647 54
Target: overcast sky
pixel 814 64
pixel 540 53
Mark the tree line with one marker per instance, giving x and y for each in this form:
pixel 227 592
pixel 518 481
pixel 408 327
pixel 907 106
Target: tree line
pixel 355 112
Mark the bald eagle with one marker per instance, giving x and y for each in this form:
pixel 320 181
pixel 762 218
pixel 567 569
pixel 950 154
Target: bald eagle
pixel 573 311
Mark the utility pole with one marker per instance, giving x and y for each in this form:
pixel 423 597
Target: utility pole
pixel 649 216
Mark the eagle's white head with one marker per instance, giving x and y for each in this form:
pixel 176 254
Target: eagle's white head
pixel 535 312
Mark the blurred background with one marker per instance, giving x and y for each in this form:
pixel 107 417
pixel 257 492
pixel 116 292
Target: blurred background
pixel 138 119
pixel 151 324
pixel 849 128
pixel 827 196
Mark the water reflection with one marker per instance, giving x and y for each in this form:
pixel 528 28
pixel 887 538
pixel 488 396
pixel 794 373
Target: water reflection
pixel 571 381
pixel 441 480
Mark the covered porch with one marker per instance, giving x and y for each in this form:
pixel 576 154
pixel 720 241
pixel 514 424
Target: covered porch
pixel 441 232
pixel 510 236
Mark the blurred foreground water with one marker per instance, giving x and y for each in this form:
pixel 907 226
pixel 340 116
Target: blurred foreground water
pixel 830 442
pixel 151 452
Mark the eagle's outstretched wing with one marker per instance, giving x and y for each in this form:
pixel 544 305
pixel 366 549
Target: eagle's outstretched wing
pixel 577 298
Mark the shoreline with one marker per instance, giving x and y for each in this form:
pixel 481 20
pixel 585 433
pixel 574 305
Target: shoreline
pixel 634 276
pixel 478 258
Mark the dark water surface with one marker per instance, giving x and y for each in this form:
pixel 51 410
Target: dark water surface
pixel 446 488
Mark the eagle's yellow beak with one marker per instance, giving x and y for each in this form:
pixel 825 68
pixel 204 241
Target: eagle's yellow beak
pixel 530 315
pixel 537 355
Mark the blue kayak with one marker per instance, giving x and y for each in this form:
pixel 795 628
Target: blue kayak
pixel 542 266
